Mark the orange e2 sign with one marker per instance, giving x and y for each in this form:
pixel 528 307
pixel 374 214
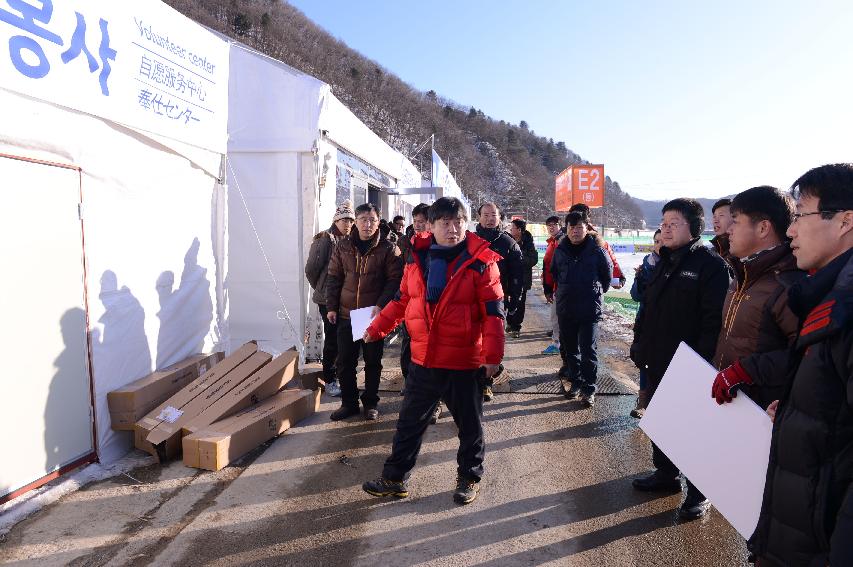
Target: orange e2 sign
pixel 563 191
pixel 580 184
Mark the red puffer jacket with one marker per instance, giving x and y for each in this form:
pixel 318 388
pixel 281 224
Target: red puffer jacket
pixel 547 277
pixel 465 328
pixel 617 271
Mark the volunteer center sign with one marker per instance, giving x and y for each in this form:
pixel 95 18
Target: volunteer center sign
pixel 140 64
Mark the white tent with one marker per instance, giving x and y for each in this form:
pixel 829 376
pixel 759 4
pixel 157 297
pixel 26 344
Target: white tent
pixel 123 251
pixel 294 152
pixel 446 184
pixel 114 220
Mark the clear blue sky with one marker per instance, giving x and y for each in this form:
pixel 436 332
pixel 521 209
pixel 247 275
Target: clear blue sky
pixel 675 98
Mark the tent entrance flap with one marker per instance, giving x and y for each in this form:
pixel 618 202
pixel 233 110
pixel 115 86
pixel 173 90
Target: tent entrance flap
pixel 374 196
pixel 47 419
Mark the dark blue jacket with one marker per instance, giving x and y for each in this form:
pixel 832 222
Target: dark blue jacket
pixel 582 278
pixel 643 277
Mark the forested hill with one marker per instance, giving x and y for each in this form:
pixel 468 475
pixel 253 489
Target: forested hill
pixel 491 159
pixel 652 210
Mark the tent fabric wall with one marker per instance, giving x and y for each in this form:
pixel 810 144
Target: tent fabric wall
pixel 288 135
pixel 150 217
pixel 272 107
pixel 265 185
pixel 273 128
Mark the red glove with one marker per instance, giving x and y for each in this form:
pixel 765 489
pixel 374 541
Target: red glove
pixel 728 381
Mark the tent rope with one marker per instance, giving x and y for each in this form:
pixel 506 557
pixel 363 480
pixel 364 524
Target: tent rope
pixel 283 314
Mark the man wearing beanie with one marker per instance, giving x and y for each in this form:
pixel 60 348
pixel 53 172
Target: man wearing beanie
pixel 316 270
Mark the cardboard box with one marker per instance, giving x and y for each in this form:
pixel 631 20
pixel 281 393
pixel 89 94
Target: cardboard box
pixel 174 423
pixel 311 377
pixel 132 402
pixel 221 443
pixel 185 395
pixel 165 451
pixel 257 387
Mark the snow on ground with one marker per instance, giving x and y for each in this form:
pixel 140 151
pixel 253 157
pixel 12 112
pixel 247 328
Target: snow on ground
pixel 20 508
pixel 628 262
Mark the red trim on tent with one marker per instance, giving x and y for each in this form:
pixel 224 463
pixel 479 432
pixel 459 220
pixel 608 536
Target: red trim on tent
pixel 42 162
pixel 90 458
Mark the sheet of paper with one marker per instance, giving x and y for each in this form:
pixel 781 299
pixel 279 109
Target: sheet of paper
pixel 360 319
pixel 723 450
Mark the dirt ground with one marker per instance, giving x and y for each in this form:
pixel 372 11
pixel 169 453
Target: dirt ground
pixel 556 492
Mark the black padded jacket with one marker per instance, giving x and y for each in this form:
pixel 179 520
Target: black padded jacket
pixel 807 512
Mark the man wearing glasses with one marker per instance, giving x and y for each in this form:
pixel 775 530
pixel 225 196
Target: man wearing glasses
pixel 807 513
pixel 683 302
pixel 452 301
pixel 364 271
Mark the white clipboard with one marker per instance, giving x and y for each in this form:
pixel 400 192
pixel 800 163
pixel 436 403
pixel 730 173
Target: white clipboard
pixel 722 449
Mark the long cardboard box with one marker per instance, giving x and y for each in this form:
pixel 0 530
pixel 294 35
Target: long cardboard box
pixel 219 444
pixel 172 406
pixel 132 402
pixel 169 427
pixel 257 387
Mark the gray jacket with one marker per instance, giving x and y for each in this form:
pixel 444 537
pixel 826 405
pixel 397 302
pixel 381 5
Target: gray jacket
pixel 316 268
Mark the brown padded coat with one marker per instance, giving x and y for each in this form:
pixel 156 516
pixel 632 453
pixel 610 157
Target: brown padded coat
pixel 758 326
pixel 721 245
pixel 356 281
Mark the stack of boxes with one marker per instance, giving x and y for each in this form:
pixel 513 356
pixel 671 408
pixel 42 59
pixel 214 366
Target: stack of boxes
pixel 214 409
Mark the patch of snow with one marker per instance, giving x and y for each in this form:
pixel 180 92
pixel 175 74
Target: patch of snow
pixel 617 324
pixel 27 504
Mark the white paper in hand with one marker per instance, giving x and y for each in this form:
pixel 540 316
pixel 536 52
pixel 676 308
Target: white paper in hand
pixel 722 449
pixel 360 319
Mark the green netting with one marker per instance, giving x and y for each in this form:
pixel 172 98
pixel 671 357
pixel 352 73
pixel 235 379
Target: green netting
pixel 625 305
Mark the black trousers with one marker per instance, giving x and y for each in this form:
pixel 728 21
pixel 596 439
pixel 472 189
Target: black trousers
pixel 463 395
pixel 515 320
pixel 664 465
pixel 330 347
pixel 405 351
pixel 579 349
pixel 659 459
pixel 348 353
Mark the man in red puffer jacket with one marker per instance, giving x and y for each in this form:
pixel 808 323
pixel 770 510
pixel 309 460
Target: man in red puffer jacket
pixel 555 235
pixel 452 302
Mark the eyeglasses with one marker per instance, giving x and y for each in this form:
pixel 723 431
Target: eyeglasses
pixel 798 216
pixel 671 225
pixel 366 220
